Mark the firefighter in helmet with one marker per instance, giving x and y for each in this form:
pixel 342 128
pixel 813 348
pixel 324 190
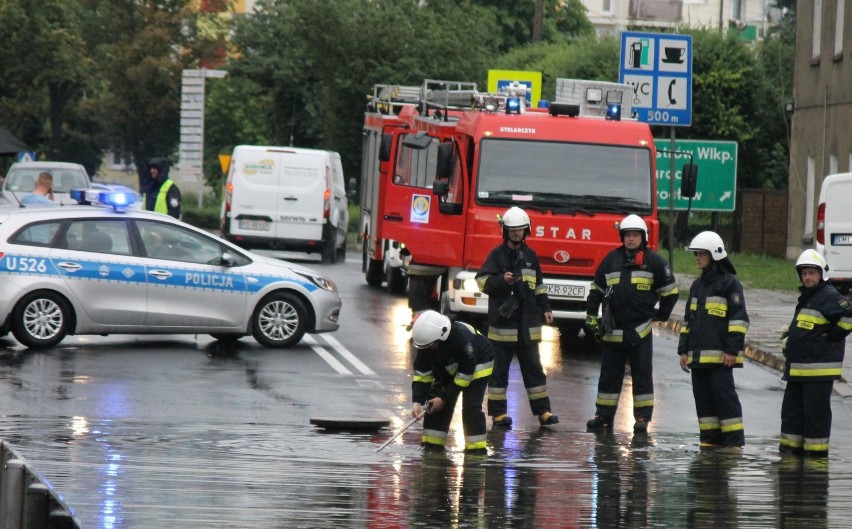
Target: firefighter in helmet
pixel 630 281
pixel 452 359
pixel 711 343
pixel 517 303
pixel 814 350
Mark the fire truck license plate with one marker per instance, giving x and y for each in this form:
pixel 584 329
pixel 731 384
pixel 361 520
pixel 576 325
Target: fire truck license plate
pixel 841 240
pixel 250 224
pixel 566 291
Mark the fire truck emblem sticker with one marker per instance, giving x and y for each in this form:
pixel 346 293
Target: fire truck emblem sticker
pixel 420 208
pixel 561 256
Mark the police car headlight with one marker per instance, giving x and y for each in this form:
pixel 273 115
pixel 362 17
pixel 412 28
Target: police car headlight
pixel 320 281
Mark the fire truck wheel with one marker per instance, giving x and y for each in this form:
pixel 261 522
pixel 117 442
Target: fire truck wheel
pixel 395 280
pixel 373 271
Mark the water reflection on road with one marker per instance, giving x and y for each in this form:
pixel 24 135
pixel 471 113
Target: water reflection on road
pixel 305 477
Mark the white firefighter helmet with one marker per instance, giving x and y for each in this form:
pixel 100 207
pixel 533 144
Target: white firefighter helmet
pixel 428 328
pixel 515 218
pixel 709 241
pixel 811 258
pixel 633 223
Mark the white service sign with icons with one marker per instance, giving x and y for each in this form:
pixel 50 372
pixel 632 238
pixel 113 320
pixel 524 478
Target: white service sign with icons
pixel 659 67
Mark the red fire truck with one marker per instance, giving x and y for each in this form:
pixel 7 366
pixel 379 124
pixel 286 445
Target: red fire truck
pixel 451 162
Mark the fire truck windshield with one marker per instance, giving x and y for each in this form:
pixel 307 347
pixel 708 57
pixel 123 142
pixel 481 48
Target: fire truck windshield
pixel 573 177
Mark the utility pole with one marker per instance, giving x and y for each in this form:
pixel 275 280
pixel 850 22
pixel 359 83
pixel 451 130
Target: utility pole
pixel 538 20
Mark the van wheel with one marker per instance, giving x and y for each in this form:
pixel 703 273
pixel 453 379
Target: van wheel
pixel 41 320
pixel 279 320
pixel 341 253
pixel 329 251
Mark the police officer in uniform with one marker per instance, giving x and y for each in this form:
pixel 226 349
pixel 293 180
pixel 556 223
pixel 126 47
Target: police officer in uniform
pixel 814 350
pixel 711 343
pixel 161 193
pixel 629 282
pixel 452 359
pixel 517 299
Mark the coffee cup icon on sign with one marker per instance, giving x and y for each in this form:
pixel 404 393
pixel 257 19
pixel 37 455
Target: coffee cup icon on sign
pixel 673 55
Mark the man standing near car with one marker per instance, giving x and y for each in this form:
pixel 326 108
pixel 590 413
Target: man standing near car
pixel 161 193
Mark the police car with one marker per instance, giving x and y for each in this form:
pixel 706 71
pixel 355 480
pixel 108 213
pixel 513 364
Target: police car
pixel 103 267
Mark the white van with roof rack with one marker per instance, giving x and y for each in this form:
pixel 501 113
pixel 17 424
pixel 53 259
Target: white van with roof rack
pixel 285 199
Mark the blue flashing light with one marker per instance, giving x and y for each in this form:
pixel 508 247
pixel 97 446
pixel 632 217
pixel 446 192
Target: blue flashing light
pixel 613 111
pixel 118 200
pixel 543 103
pixel 513 105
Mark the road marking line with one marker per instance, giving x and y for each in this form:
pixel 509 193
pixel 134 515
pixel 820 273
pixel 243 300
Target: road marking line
pixel 328 357
pixel 345 353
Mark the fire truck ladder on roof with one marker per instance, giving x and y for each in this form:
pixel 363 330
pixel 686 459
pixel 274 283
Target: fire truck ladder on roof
pixel 448 94
pixel 389 98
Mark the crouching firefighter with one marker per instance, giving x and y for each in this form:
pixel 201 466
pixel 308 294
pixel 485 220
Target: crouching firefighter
pixel 452 359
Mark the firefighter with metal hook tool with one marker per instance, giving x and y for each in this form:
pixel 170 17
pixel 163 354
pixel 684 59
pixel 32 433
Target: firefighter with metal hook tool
pixel 629 282
pixel 452 359
pixel 517 300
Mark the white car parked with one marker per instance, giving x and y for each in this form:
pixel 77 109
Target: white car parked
pixel 107 268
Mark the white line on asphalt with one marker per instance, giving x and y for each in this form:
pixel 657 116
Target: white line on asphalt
pixel 325 355
pixel 345 353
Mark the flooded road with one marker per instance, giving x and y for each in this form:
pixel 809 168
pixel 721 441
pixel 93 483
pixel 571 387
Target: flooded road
pixel 154 432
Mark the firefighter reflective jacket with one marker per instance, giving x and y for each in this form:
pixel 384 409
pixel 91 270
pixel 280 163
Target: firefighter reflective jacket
pixel 715 320
pixel 632 287
pixel 817 339
pixel 514 311
pixel 463 358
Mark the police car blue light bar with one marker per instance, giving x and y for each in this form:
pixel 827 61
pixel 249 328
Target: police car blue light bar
pixel 119 200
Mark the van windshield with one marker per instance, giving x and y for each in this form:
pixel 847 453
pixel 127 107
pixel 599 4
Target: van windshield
pixel 565 176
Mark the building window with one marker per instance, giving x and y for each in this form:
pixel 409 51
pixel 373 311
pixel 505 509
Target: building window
pixel 607 6
pixel 838 30
pixel 816 37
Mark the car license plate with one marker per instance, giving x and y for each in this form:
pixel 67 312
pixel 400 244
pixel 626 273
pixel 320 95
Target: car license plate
pixel 844 239
pixel 566 291
pixel 251 224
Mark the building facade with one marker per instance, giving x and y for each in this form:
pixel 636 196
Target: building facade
pixel 822 111
pixel 749 17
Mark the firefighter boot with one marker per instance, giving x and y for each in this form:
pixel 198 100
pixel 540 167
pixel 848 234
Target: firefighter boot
pixel 501 422
pixel 598 423
pixel 548 419
pixel 640 426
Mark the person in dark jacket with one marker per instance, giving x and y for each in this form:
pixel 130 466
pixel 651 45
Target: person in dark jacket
pixel 629 283
pixel 814 350
pixel 452 359
pixel 160 192
pixel 517 300
pixel 711 344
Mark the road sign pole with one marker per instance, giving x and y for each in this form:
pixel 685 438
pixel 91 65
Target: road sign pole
pixel 671 200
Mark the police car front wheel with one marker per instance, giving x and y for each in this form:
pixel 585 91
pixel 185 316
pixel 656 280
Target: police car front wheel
pixel 279 320
pixel 41 320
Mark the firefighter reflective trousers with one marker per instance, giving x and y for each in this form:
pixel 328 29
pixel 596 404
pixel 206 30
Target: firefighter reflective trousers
pixel 535 380
pixel 613 359
pixel 806 416
pixel 436 425
pixel 720 415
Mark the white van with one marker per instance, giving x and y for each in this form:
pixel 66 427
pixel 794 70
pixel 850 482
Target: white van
pixel 284 199
pixel 834 228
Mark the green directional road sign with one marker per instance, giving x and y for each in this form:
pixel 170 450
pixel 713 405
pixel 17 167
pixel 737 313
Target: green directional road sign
pixel 716 189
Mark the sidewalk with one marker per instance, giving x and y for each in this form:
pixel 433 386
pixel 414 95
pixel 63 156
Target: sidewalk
pixel 769 312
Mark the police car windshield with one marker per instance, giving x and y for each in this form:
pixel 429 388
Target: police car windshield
pixel 569 175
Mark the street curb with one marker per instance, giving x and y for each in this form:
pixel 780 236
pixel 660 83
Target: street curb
pixel 767 358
